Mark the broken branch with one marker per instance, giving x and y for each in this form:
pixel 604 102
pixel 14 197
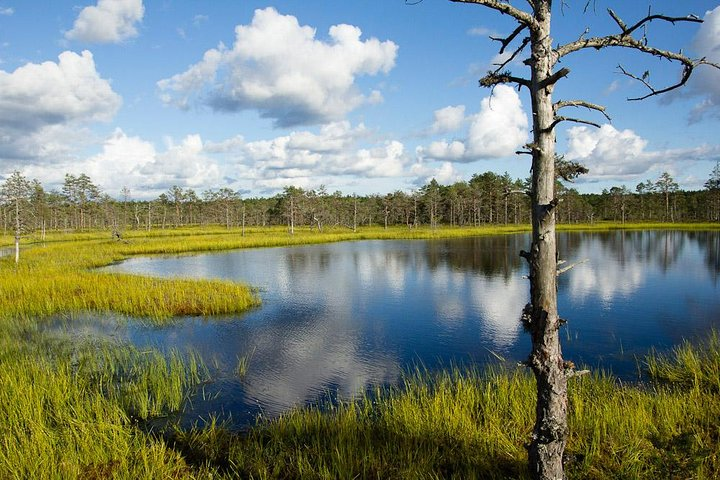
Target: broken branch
pixel 569 267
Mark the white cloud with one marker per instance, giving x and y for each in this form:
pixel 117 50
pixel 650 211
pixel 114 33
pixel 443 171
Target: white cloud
pixel 621 154
pixel 453 151
pixel 281 69
pixel 185 165
pixel 705 81
pixel 608 152
pixel 50 93
pixel 498 130
pixel 448 119
pixel 445 174
pixel 501 127
pixel 110 21
pixel 46 105
pixel 200 19
pixel 305 158
pixel 385 161
pixel 482 32
pixel 133 162
pixel 7 11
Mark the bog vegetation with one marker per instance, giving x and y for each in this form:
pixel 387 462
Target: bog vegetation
pixel 94 408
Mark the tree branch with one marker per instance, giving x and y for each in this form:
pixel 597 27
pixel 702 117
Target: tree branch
pixel 497 78
pixel 625 40
pixel 649 18
pixel 559 119
pixel 552 79
pixel 517 51
pixel 505 8
pixel 560 271
pixel 581 103
pixel 507 40
pixel 687 71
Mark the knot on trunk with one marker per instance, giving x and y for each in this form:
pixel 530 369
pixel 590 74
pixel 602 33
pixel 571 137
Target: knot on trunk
pixel 526 316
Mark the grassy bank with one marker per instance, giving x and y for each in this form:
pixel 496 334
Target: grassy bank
pixel 58 275
pixel 76 411
pixel 73 409
pixel 470 424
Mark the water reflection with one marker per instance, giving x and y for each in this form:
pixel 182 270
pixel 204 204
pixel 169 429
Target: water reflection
pixel 339 318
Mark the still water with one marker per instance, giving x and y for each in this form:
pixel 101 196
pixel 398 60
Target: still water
pixel 339 318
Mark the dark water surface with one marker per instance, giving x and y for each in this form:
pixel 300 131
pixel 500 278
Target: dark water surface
pixel 339 318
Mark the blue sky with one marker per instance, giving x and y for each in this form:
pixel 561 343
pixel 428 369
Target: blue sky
pixel 362 97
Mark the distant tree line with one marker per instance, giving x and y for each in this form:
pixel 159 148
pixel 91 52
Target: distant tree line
pixel 487 198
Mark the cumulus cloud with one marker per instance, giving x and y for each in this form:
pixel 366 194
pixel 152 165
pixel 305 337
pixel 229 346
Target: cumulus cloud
pixel 6 11
pixel 44 105
pixel 185 164
pixel 305 158
pixel 452 151
pixel 497 130
pixel 705 81
pixel 445 174
pixel 448 119
pixel 131 161
pixel 500 127
pixel 279 68
pixel 35 95
pixel 610 153
pixel 110 21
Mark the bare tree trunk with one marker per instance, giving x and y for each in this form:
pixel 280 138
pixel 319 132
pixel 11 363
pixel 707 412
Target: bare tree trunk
pixel 292 219
pixel 354 213
pixel 17 230
pixel 541 316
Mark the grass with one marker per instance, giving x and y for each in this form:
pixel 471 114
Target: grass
pixel 71 410
pixel 464 423
pixel 61 279
pixel 59 276
pixel 80 409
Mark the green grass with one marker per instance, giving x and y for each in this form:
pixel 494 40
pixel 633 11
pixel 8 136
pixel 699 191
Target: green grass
pixel 78 409
pixel 464 423
pixel 71 410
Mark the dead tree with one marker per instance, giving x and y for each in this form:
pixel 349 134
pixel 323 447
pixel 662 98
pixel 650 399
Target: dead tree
pixel 532 38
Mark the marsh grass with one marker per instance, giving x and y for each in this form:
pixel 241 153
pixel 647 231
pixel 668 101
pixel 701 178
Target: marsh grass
pixel 78 409
pixel 61 278
pixel 467 423
pixel 70 410
pixel 243 362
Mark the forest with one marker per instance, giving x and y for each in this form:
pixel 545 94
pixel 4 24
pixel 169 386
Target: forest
pixel 487 198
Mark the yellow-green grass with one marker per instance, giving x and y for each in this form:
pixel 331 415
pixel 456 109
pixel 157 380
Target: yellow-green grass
pixel 61 276
pixel 70 410
pixel 73 409
pixel 463 423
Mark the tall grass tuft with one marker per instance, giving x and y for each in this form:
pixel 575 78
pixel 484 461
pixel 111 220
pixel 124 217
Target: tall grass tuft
pixel 69 410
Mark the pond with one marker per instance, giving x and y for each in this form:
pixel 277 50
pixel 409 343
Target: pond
pixel 339 318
